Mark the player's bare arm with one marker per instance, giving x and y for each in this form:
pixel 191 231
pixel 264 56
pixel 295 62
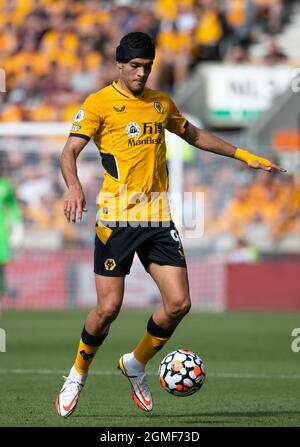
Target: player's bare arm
pixel 207 141
pixel 74 202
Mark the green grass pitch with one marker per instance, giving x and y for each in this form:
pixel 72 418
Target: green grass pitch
pixel 253 376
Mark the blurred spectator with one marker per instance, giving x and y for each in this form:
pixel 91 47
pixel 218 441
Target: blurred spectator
pixel 243 252
pixel 34 186
pixel 237 54
pixel 240 17
pixel 15 110
pixel 8 39
pixel 238 212
pixel 61 35
pixel 274 14
pixel 11 230
pixel 174 55
pixel 89 64
pixel 210 31
pixel 274 54
pixel 27 57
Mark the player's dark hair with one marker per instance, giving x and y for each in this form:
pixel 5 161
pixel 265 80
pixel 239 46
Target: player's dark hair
pixel 137 40
pixel 134 45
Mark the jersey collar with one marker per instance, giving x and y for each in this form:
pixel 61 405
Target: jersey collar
pixel 125 93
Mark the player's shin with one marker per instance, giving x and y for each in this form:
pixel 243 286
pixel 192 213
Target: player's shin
pixel 87 349
pixel 152 341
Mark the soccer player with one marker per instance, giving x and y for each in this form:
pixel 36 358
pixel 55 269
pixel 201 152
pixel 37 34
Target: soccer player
pixel 127 121
pixel 11 230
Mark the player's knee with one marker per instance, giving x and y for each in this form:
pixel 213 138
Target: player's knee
pixel 179 308
pixel 108 312
pixel 185 307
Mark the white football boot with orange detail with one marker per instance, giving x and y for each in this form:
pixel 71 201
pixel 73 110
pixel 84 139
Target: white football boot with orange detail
pixel 140 390
pixel 68 396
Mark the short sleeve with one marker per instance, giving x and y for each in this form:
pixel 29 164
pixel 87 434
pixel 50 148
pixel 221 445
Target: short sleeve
pixel 88 119
pixel 176 122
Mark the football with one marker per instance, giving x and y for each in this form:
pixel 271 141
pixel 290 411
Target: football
pixel 182 372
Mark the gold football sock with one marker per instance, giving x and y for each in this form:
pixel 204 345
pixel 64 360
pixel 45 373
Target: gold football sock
pixel 88 346
pixel 152 341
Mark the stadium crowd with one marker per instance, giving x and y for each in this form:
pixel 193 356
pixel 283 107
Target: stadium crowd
pixel 55 52
pixel 261 208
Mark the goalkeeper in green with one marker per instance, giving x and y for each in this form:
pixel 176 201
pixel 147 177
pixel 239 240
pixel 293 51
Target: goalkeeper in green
pixel 11 227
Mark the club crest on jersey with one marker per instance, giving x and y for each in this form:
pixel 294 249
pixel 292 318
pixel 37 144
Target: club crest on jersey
pixel 158 107
pixel 133 130
pixel 80 115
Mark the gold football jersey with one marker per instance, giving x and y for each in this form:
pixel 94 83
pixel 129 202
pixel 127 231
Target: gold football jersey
pixel 129 132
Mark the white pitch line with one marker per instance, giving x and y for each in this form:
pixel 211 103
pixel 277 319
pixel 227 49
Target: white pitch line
pixel 228 375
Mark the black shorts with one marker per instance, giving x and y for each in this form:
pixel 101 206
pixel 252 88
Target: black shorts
pixel 115 248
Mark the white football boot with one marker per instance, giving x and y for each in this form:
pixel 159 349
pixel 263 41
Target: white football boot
pixel 137 378
pixel 68 396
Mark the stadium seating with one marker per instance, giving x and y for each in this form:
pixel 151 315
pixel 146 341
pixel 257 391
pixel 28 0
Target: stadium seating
pixel 55 53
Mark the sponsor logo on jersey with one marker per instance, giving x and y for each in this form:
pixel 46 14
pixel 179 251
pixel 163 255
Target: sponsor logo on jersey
pixel 120 110
pixel 80 115
pixel 74 127
pixel 149 140
pixel 133 129
pixel 150 128
pixel 158 107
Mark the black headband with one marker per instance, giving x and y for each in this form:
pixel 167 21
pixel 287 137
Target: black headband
pixel 125 53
